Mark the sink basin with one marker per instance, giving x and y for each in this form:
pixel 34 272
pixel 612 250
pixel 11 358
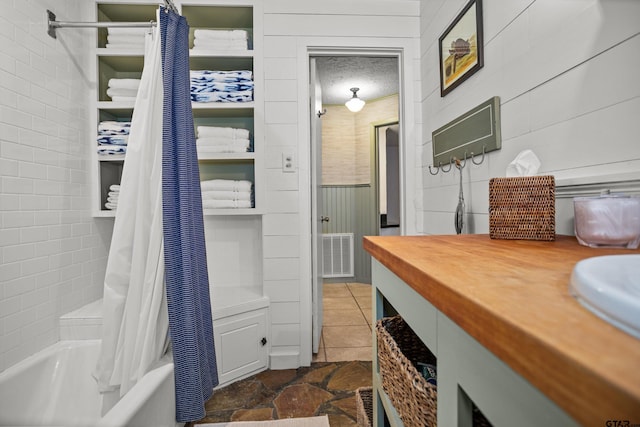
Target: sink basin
pixel 609 286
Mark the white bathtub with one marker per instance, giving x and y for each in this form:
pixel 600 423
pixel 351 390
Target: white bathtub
pixel 55 388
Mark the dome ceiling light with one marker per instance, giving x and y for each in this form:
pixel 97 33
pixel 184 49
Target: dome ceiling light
pixel 354 104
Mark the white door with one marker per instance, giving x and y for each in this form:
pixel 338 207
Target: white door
pixel 316 203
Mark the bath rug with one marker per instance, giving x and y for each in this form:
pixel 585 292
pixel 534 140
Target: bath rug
pixel 322 421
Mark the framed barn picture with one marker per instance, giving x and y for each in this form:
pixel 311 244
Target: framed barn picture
pixel 461 47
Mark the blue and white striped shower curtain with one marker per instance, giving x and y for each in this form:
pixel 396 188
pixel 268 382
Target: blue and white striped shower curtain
pixel 186 277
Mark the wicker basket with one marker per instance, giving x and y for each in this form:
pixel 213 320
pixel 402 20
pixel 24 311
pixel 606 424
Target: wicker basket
pixel 399 348
pixel 364 406
pixel 522 208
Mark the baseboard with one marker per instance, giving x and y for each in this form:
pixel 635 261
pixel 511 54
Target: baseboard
pixel 285 360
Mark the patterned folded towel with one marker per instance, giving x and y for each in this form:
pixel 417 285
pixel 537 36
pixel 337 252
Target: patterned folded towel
pixel 242 96
pixel 110 127
pixel 113 139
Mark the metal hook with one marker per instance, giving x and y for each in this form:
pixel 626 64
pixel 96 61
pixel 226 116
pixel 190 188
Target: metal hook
pixel 481 160
pixel 450 165
pixel 322 113
pixel 437 169
pixel 461 164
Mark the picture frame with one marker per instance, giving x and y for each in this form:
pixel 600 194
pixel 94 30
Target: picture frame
pixel 461 47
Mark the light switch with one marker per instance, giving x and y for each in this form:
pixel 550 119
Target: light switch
pixel 288 162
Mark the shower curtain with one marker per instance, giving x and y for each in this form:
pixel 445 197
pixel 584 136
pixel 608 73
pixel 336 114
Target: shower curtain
pixel 187 280
pixel 135 318
pixel 156 283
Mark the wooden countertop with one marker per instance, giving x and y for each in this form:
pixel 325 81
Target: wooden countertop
pixel 512 296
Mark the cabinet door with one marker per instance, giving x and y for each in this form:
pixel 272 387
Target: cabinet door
pixel 241 346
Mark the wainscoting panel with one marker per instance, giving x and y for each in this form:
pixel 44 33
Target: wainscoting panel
pixel 352 209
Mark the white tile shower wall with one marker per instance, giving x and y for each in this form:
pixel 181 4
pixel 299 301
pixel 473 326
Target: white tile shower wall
pixel 52 252
pixel 568 92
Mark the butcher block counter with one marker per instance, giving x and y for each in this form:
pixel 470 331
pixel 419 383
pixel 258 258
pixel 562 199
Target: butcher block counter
pixel 525 351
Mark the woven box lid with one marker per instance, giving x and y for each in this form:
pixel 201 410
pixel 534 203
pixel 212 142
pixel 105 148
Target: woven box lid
pixel 522 208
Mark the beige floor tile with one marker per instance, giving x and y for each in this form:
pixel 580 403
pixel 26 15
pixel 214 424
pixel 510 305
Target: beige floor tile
pixel 359 289
pixel 343 317
pixel 346 336
pixel 368 315
pixel 335 290
pixel 364 302
pixel 340 354
pixel 337 303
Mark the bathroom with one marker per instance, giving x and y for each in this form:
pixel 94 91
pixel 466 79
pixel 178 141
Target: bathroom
pixel 562 69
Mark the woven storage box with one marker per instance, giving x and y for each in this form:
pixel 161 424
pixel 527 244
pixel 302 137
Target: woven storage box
pixel 522 208
pixel 364 406
pixel 399 349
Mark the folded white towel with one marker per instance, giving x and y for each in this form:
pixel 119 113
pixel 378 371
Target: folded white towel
pixel 113 200
pixel 114 187
pixel 223 132
pixel 111 206
pixel 220 34
pixel 132 84
pixel 226 195
pixel 126 39
pixel 131 46
pixel 226 185
pixel 225 204
pixel 212 149
pixel 220 44
pixel 127 30
pixel 118 91
pixel 123 98
pixel 213 141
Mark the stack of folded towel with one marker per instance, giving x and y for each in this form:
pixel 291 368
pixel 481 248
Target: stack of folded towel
pixel 126 38
pixel 220 39
pixel 123 89
pixel 213 139
pixel 112 197
pixel 221 86
pixel 113 137
pixel 224 193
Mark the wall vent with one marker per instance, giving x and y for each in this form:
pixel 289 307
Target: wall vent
pixel 337 255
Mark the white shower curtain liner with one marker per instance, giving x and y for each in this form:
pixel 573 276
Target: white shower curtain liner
pixel 135 318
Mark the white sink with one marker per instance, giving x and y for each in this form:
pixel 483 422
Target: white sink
pixel 609 286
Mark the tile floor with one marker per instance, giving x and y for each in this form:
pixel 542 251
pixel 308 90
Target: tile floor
pixel 346 326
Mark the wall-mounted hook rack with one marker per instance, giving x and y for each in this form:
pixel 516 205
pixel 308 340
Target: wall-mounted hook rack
pixel 460 164
pixel 478 128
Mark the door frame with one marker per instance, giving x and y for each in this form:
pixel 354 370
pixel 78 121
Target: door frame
pixel 408 54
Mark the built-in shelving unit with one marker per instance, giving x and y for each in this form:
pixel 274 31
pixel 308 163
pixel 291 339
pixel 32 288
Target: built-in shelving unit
pixel 233 236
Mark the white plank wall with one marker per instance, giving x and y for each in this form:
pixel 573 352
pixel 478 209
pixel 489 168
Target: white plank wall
pixel 287 25
pixel 564 71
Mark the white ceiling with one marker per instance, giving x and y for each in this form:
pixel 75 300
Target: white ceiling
pixel 375 76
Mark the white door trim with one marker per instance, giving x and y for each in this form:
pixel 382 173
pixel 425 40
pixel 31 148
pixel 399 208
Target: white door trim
pixel 408 53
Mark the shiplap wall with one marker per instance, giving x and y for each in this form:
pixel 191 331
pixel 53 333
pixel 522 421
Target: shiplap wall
pixel 566 75
pixel 289 27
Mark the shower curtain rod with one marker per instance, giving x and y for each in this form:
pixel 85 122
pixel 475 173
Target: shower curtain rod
pixel 53 24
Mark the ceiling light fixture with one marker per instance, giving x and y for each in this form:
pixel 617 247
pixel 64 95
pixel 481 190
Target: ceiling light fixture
pixel 355 104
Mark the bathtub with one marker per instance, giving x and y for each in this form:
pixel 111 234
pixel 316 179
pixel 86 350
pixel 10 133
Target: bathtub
pixel 55 388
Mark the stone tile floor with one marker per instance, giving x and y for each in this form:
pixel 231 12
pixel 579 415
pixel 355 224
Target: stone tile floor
pixel 341 366
pixel 323 388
